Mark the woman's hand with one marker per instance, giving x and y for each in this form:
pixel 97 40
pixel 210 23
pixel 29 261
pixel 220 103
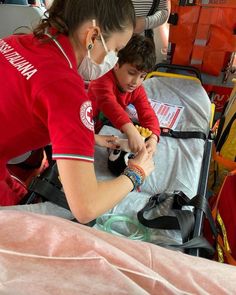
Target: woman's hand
pixel 107 141
pixel 144 160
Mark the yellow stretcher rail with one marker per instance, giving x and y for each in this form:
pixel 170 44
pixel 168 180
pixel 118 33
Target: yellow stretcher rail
pixel 171 75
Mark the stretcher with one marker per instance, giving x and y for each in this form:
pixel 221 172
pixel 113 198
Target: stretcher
pixel 181 164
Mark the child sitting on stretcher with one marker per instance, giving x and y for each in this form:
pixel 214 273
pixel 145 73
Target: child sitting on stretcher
pixel 121 86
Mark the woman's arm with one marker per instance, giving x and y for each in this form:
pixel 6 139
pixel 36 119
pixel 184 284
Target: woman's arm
pixel 159 17
pixel 89 198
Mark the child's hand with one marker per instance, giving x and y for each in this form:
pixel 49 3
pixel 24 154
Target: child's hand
pixel 136 142
pixel 151 145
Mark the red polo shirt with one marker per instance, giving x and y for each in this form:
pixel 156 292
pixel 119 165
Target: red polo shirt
pixel 42 101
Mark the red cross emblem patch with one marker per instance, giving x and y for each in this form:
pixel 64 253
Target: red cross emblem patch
pixel 86 115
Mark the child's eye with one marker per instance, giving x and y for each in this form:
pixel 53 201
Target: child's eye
pixel 131 73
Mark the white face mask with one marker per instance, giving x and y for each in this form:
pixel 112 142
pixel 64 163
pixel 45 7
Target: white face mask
pixel 90 70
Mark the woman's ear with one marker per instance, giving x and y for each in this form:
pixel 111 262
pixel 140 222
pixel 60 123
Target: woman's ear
pixel 92 34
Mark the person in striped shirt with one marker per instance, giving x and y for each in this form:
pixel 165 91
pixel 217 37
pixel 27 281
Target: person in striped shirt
pixel 144 21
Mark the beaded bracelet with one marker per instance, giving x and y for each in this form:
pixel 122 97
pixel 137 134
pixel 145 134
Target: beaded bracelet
pixel 138 169
pixel 134 176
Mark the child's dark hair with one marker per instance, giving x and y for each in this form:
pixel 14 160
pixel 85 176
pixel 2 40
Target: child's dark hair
pixel 139 52
pixel 67 15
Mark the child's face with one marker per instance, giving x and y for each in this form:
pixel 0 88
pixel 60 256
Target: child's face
pixel 128 77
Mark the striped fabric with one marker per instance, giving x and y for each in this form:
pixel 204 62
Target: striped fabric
pixel 143 7
pixel 72 156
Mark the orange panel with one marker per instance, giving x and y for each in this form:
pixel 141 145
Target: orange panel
pixel 208 15
pixel 198 52
pixel 183 34
pixel 202 32
pixel 182 54
pixel 213 62
pixel 227 18
pixel 221 39
pixel 188 15
pixel 218 3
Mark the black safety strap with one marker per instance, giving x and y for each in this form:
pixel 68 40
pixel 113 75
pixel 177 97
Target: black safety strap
pixel 199 202
pixel 183 220
pixel 182 134
pixel 48 187
pixel 49 192
pixel 194 243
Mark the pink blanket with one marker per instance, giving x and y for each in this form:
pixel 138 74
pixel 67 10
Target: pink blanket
pixel 48 255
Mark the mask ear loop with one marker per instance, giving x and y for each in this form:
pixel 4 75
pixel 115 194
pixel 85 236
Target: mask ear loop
pixel 103 43
pixel 101 36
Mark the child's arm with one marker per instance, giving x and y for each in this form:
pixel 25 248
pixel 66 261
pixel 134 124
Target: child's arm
pixel 151 144
pixel 146 115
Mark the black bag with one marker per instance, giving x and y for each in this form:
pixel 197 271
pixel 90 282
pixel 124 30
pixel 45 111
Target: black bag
pixel 48 187
pixel 170 216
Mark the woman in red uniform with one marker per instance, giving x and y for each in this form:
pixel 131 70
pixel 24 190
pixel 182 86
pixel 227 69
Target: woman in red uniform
pixel 43 100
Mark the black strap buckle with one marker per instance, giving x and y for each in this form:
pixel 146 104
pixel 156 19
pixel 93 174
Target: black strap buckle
pixel 156 199
pixel 166 131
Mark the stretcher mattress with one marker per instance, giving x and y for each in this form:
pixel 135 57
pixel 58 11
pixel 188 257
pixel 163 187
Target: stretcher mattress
pixel 178 162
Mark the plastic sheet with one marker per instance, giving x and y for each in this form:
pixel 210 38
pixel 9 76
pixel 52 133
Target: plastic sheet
pixel 49 255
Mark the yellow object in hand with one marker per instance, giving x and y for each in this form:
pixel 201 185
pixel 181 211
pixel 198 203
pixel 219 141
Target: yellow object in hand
pixel 144 132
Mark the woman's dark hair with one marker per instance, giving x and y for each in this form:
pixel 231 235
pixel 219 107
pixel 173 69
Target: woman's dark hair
pixel 139 52
pixel 66 15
